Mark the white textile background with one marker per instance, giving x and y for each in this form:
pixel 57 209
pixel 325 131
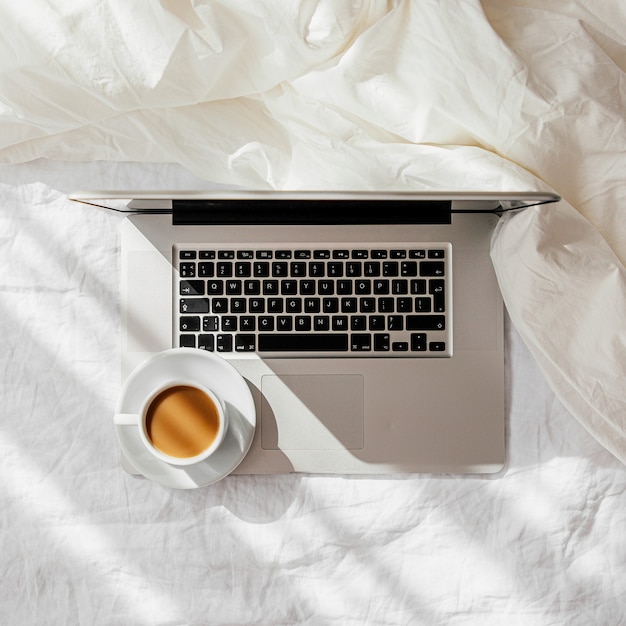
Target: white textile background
pixel 317 94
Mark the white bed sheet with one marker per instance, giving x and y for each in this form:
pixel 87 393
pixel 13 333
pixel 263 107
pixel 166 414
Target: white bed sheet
pixel 344 98
pixel 82 542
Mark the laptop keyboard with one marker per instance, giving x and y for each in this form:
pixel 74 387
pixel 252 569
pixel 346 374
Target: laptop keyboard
pixel 376 301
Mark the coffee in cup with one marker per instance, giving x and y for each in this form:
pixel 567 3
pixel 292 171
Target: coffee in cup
pixel 180 423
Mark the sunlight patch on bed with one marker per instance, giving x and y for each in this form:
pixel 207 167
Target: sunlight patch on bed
pixel 81 542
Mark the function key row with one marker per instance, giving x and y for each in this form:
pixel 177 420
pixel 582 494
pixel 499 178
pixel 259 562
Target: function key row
pixel 343 254
pixel 310 269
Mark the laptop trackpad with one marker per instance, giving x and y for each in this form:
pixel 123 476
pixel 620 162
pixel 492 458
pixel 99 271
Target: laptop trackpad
pixel 312 412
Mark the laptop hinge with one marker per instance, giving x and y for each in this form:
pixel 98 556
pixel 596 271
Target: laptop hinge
pixel 303 211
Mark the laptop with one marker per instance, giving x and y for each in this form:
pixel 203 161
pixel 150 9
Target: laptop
pixel 368 326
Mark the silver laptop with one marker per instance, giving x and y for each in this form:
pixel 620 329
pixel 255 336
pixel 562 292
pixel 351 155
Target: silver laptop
pixel 369 326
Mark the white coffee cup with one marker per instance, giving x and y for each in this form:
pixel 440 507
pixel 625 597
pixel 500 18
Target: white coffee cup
pixel 180 422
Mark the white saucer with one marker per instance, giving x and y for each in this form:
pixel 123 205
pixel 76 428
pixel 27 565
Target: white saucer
pixel 210 370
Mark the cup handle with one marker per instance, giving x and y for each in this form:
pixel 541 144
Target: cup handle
pixel 126 419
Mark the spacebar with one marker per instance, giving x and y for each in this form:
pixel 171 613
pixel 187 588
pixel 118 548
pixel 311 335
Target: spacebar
pixel 303 343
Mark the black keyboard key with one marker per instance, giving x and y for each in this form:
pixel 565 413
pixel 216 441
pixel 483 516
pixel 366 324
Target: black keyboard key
pixel 307 287
pixel 256 305
pixel 436 254
pixel 340 322
pixel 363 287
pixel 229 323
pixel 418 342
pixel 335 269
pixel 224 270
pixel 247 323
pixel 386 305
pixel 423 305
pixel 238 305
pixel 358 322
pixel 432 268
pixel 326 287
pixel 243 269
pixel 194 305
pixel 303 343
pixel 191 288
pixel 284 323
pixel 219 305
pixel 215 287
pixel 244 343
pixel 367 305
pixel 381 287
pixel 298 268
pixel 187 254
pixel 226 254
pixel 187 341
pixel 381 342
pixel 312 305
pixel 303 323
pixel 266 323
pixel 404 305
pixel 390 268
pixel 318 270
pixel 330 305
pixel 280 268
pixel 189 324
pixel 206 269
pixel 187 270
pixel 377 322
pixel 418 287
pixel 437 289
pixel 261 269
pixel 400 287
pixel 288 287
pixel 344 287
pixel 437 346
pixel 293 305
pixel 275 305
pixel 354 269
pixel 210 323
pixel 224 343
pixel 206 342
pixel 360 342
pixel 425 322
pixel 408 268
pixel 371 268
pixel 270 287
pixel 233 287
pixel 252 287
pixel 395 322
pixel 349 305
pixel 321 322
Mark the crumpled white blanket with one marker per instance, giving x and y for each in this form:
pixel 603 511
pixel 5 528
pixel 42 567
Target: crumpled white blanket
pixel 332 94
pixel 510 94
